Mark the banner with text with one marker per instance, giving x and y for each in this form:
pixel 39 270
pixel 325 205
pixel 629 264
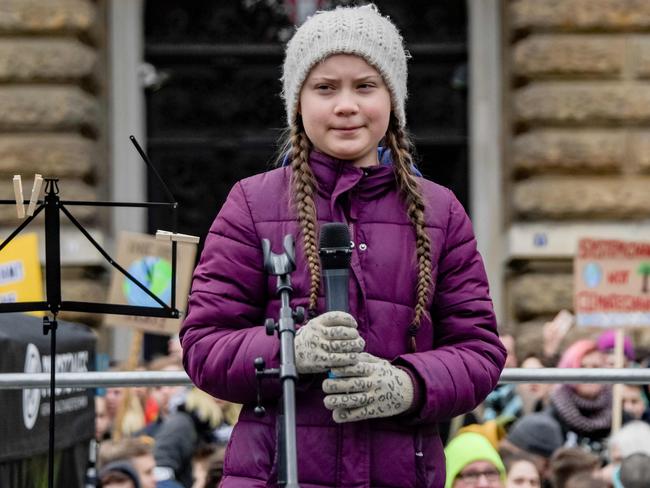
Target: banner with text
pixel 20 272
pixel 612 283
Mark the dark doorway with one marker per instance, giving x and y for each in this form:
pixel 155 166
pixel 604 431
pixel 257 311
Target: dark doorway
pixel 214 112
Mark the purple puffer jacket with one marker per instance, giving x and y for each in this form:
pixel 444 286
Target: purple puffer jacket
pixel 459 356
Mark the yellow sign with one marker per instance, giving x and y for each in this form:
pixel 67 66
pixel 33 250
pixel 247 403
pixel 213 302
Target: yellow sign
pixel 20 272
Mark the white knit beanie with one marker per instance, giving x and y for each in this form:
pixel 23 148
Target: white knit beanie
pixel 349 30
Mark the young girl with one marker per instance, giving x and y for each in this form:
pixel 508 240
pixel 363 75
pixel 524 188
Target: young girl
pixel 419 345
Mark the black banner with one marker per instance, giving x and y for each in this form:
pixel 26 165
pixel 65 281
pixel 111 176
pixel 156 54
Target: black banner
pixel 25 413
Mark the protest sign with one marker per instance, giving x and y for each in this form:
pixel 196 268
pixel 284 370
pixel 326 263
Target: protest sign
pixel 149 261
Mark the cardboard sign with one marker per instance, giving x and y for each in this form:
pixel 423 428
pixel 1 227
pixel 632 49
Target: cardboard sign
pixel 149 261
pixel 20 272
pixel 612 283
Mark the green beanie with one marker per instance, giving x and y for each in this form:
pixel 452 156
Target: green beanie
pixel 466 448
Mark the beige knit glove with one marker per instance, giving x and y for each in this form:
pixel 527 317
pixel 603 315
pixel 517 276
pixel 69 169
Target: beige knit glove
pixel 328 341
pixel 370 389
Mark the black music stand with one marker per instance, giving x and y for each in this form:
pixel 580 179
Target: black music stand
pixel 53 205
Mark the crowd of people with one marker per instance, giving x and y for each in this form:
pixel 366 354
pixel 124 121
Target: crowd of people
pixel 555 436
pixel 523 435
pixel 163 436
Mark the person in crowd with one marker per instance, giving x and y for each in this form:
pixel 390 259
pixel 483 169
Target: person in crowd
pixel 535 396
pixel 493 430
pixel 584 411
pixel 207 466
pixel 584 480
pixel 632 438
pixel 569 461
pixel 174 348
pixel 134 451
pixel 503 400
pixel 119 474
pixel 181 434
pixel 102 420
pixel 635 403
pixel 635 471
pixel 214 472
pixel 125 408
pixel 471 461
pixel 537 435
pixel 224 430
pixel 521 472
pixel 511 401
pixel 160 398
pixel 406 356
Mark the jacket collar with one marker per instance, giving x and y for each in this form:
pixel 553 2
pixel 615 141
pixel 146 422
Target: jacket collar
pixel 336 177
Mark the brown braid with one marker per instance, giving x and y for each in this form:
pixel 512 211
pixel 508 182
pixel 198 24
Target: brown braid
pixel 398 142
pixel 303 186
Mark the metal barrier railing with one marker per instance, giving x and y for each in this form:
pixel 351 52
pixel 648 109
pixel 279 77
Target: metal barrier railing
pixel 18 381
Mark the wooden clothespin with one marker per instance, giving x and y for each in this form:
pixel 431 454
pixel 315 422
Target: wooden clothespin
pixel 36 191
pixel 165 235
pixel 18 193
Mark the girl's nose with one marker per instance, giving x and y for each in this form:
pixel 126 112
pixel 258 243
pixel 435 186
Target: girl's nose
pixel 346 104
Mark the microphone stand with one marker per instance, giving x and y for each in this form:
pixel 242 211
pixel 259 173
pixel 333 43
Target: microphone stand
pixel 52 205
pixel 281 265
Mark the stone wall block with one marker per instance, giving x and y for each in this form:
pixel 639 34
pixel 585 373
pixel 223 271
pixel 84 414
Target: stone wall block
pixel 31 107
pixel 41 16
pixel 587 15
pixel 639 143
pixel 542 293
pixel 575 197
pixel 568 151
pixel 640 56
pixel 568 55
pixel 58 155
pixel 45 59
pixel 581 103
pixel 70 189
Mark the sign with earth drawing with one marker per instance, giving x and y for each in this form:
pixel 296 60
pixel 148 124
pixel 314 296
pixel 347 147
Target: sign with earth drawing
pixel 612 283
pixel 149 261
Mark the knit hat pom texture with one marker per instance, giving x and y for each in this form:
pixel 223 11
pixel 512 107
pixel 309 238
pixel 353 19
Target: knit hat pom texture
pixel 346 30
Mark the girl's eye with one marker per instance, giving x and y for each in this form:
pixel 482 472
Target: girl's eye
pixel 322 87
pixel 366 86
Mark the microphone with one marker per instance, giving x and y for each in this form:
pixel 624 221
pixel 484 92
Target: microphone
pixel 335 255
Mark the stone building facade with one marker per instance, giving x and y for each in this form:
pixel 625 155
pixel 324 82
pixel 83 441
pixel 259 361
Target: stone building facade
pixel 578 135
pixel 575 151
pixel 52 122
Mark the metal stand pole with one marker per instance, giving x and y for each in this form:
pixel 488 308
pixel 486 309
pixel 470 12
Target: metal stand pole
pixel 281 265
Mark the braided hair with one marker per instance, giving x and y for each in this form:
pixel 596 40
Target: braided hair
pixel 400 145
pixel 303 190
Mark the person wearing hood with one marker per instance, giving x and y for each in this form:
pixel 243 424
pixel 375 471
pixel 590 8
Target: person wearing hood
pixel 472 462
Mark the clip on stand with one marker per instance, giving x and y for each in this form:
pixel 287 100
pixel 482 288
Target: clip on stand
pixel 281 265
pixel 52 205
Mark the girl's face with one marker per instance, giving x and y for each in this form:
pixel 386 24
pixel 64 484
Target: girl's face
pixel 523 474
pixel 345 108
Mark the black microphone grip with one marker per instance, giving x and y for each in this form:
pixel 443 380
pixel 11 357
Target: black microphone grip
pixel 336 289
pixel 335 255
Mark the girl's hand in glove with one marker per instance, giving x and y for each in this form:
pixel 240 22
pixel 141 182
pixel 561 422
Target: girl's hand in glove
pixel 328 341
pixel 370 389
